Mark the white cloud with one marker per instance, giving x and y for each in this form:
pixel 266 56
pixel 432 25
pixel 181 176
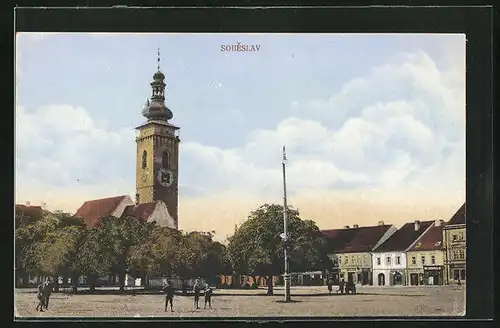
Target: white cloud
pixel 396 131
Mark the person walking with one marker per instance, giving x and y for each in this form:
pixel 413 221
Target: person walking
pixel 169 296
pixel 329 284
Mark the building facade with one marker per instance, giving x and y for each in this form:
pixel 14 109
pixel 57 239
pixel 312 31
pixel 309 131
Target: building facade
pixel 425 259
pixel 390 258
pixel 455 240
pixel 350 251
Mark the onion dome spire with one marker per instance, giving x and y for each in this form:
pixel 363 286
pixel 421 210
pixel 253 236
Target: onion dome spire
pixel 156 109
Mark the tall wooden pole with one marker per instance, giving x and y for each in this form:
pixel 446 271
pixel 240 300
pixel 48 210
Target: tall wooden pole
pixel 285 231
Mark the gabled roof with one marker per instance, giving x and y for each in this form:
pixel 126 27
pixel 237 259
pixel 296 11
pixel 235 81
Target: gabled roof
pixel 338 238
pixel 365 239
pixel 142 211
pixel 354 240
pixel 431 240
pixel 404 237
pixel 35 212
pixel 92 210
pixel 458 217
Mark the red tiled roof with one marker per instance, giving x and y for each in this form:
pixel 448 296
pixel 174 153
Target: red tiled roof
pixel 338 238
pixel 430 241
pixel 35 212
pixel 353 240
pixel 365 239
pixel 404 237
pixel 458 217
pixel 142 211
pixel 92 210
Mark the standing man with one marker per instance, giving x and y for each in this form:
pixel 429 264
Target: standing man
pixel 208 297
pixel 196 290
pixel 169 296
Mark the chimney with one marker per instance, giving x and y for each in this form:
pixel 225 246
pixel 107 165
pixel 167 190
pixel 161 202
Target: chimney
pixel 355 226
pixel 380 223
pixel 346 227
pixel 439 223
pixel 417 225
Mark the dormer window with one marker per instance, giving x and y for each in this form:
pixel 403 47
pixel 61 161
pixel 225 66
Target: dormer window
pixel 418 245
pixel 437 244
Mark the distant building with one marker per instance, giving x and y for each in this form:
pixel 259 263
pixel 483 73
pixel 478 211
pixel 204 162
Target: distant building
pixel 455 237
pixel 389 259
pixel 123 206
pixel 426 258
pixel 350 251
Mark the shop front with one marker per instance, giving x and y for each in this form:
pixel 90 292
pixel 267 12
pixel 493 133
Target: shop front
pixel 397 278
pixel 433 275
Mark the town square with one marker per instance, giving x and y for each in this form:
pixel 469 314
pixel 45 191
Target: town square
pixel 313 187
pixel 307 301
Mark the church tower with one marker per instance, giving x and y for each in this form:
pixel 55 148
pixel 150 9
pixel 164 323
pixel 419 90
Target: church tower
pixel 158 151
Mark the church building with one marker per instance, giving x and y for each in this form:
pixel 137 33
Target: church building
pixel 157 184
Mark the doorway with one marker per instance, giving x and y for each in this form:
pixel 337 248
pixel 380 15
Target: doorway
pixel 350 277
pixel 381 279
pixel 414 279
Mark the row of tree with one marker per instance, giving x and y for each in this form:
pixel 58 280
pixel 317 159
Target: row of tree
pixel 59 244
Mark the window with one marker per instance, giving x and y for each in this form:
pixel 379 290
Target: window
pixel 346 259
pixel 437 244
pixel 378 260
pixel 165 159
pixel 144 159
pixel 454 237
pixel 461 254
pixel 340 260
pixel 422 259
pixel 388 260
pixel 461 236
pixel 433 259
pixel 398 260
pixel 413 260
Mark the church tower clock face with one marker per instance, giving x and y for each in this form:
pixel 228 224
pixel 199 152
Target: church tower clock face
pixel 158 151
pixel 165 177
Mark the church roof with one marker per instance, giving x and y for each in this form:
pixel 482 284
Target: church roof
pixel 143 211
pixel 91 211
pixel 458 217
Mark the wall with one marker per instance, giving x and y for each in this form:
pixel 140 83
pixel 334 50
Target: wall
pixel 118 212
pixel 162 216
pixel 439 256
pixel 453 247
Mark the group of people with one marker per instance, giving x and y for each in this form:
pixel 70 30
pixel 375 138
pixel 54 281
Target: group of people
pixel 343 287
pixel 197 288
pixel 43 295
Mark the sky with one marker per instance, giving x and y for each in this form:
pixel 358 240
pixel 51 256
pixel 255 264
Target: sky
pixel 373 124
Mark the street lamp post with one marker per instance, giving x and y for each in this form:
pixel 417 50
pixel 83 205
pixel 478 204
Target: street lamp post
pixel 285 231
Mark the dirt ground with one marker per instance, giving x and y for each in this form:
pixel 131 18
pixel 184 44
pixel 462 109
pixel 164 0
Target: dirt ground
pixel 311 301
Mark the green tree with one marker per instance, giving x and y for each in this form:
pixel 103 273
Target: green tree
pixel 157 254
pixel 117 236
pixel 256 247
pixel 199 255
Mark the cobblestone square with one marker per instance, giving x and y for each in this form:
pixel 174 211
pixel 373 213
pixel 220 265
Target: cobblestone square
pixel 310 301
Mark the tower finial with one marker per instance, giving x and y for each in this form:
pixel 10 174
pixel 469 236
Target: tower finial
pixel 158 66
